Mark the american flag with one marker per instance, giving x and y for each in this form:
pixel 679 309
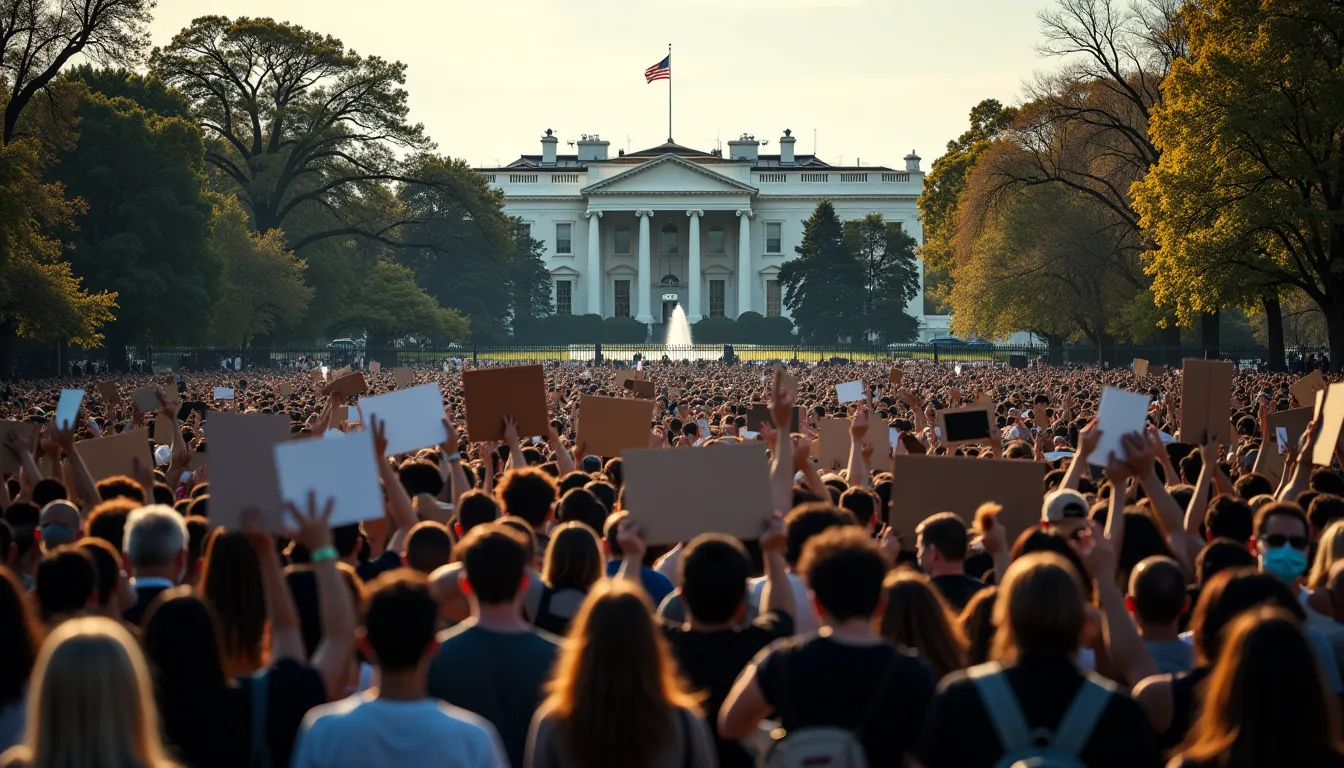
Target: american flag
pixel 660 71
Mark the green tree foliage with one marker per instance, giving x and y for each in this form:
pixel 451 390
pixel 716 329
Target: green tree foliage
pixel 1248 194
pixel 938 200
pixel 389 305
pixel 886 256
pixel 817 283
pixel 142 232
pixel 262 285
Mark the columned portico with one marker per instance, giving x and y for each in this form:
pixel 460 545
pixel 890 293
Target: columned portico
pixel 594 269
pixel 645 269
pixel 744 261
pixel 693 279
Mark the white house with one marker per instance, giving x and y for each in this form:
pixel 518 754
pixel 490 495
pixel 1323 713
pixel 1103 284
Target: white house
pixel 636 234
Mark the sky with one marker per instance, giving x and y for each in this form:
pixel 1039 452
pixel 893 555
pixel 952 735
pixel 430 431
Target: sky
pixel 871 79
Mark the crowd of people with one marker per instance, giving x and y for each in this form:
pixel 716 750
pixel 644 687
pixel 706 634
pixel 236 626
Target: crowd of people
pixel 1173 607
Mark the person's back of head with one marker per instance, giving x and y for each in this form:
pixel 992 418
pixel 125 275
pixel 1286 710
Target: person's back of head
pixel 580 505
pixel 713 572
pixel 20 637
pixel 398 621
pixel 67 583
pixel 494 560
pixel 614 470
pixel 232 583
pixel 108 566
pixel 604 492
pixel 419 476
pixel 47 490
pixel 527 493
pixel 1325 509
pixel 156 537
pixel 976 623
pixel 1227 595
pixel 916 616
pixel 941 542
pixel 107 521
pixel 23 519
pixel 1157 591
pixel 1219 555
pixel 1228 517
pixel 844 569
pixel 476 507
pixel 1326 480
pixel 428 546
pixel 570 481
pixel 1040 608
pixel 181 636
pixel 120 487
pixel 862 503
pixel 808 520
pixel 573 558
pixel 1251 485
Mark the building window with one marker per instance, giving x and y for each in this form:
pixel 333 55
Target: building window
pixel 622 298
pixel 772 244
pixel 716 242
pixel 669 239
pixel 564 242
pixel 564 299
pixel 716 291
pixel 622 244
pixel 772 298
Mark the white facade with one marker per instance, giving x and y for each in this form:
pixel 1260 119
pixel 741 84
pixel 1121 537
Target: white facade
pixel 636 234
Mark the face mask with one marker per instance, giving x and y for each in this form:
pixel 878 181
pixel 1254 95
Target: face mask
pixel 1285 562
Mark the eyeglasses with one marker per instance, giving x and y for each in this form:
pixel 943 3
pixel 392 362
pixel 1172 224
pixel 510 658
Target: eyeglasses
pixel 1276 540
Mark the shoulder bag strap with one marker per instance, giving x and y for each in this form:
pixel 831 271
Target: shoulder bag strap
pixel 687 738
pixel 1002 706
pixel 876 701
pixel 1082 717
pixel 260 755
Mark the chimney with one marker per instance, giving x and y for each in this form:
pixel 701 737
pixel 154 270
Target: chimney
pixel 548 143
pixel 786 148
pixel 592 147
pixel 912 162
pixel 744 148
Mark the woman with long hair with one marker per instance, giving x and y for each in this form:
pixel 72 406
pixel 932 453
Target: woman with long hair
pixel 976 624
pixel 20 639
pixel 917 617
pixel 614 700
pixel 573 563
pixel 231 581
pixel 1328 550
pixel 91 703
pixel 1265 703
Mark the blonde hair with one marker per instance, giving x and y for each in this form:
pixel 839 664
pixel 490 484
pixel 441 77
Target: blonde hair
pixel 91 703
pixel 1328 552
pixel 1039 608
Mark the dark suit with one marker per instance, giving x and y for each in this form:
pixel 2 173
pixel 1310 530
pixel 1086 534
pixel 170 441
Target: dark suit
pixel 143 597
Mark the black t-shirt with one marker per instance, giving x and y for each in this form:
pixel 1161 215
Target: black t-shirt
pixel 817 680
pixel 1045 687
pixel 958 589
pixel 711 662
pixel 373 568
pixel 292 689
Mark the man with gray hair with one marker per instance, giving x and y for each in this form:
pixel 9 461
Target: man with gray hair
pixel 155 550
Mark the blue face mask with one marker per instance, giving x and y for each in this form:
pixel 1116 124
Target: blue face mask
pixel 1285 562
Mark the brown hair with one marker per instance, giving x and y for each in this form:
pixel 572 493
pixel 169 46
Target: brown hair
pixel 977 625
pixel 945 532
pixel 917 616
pixel 615 681
pixel 231 583
pixel 574 558
pixel 1039 608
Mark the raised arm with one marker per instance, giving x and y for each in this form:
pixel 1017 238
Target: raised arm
pixel 398 501
pixel 858 468
pixel 84 487
pixel 455 483
pixel 1087 443
pixel 777 595
pixel 516 460
pixel 564 460
pixel 281 614
pixel 332 656
pixel 1124 646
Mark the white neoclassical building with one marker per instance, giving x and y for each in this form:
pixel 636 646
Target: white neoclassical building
pixel 636 234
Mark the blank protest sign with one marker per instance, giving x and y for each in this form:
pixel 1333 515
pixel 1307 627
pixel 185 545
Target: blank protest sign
pixel 414 417
pixel 343 469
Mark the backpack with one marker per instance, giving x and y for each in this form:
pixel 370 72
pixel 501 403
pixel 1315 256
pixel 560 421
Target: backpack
pixel 1024 748
pixel 825 746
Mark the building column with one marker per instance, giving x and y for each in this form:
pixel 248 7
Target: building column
pixel 744 261
pixel 594 262
pixel 693 277
pixel 645 268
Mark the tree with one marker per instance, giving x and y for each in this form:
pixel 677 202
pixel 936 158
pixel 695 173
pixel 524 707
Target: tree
pixel 529 279
pixel 390 305
pixel 820 284
pixel 886 257
pixel 143 229
pixel 263 283
pixel 942 188
pixel 1248 198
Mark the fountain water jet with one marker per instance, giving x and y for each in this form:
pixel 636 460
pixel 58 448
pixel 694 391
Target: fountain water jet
pixel 678 330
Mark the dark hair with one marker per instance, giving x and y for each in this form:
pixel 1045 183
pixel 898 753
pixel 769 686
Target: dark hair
pixel 107 521
pixel 1143 539
pixel 713 572
pixel 573 557
pixel 1226 596
pixel 945 532
pixel 614 469
pixel 1324 510
pixel 66 581
pixel 977 624
pixel 399 618
pixel 231 582
pixel 1251 485
pixel 120 487
pixel 302 583
pixel 20 636
pixel 200 503
pixel 1228 517
pixel 1157 588
pixel 345 538
pixel 861 502
pixel 162 494
pixel 844 569
pixel 418 476
pixel 476 507
pixel 604 492
pixel 581 506
pixel 106 562
pixel 807 520
pixel 23 519
pixel 495 559
pixel 198 530
pixel 528 493
pixel 572 480
pixel 1036 540
pixel 1277 509
pixel 428 546
pixel 47 490
pixel 1325 480
pixel 1221 554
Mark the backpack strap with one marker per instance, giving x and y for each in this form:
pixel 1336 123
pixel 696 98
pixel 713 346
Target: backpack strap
pixel 260 753
pixel 1082 716
pixel 1001 704
pixel 878 695
pixel 687 738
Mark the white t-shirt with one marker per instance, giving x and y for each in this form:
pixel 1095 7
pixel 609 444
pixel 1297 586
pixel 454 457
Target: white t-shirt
pixel 806 620
pixel 365 732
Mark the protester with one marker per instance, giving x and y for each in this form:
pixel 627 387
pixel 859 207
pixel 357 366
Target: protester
pixel 155 549
pixel 20 637
pixel 1157 599
pixel 941 548
pixel 915 615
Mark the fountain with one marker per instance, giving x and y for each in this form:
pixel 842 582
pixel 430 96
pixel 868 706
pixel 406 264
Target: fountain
pixel 678 330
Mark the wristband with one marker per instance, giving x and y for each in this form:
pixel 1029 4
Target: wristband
pixel 454 456
pixel 323 554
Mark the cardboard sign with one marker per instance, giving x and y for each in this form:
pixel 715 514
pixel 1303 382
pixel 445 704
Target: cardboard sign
pixel 966 425
pixel 338 414
pixel 1140 367
pixel 642 389
pixel 375 367
pixel 9 460
pixel 184 412
pixel 1292 423
pixel 760 414
pixel 318 375
pixel 107 390
pixel 610 426
pixel 197 460
pixel 656 483
pixel 242 470
pixel 1120 413
pixel 932 484
pixel 115 454
pixel 896 376
pixel 413 417
pixel 832 444
pixel 1332 419
pixel 164 427
pixel 343 469
pixel 787 382
pixel 493 393
pixel 285 389
pixel 348 385
pixel 1206 399
pixel 1304 389
pixel 146 399
pixel 404 377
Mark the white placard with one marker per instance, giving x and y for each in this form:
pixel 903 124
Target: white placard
pixel 849 392
pixel 1282 434
pixel 1057 455
pixel 1119 414
pixel 67 408
pixel 893 435
pixel 223 393
pixel 344 470
pixel 747 434
pixel 414 417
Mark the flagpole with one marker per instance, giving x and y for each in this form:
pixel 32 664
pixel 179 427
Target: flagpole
pixel 669 93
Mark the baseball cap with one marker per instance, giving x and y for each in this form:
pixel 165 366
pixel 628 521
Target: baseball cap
pixel 1063 504
pixel 59 523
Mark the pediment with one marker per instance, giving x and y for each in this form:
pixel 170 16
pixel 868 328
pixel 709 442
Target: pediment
pixel 669 175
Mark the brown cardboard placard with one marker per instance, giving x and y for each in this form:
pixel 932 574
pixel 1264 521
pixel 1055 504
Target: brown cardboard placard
pixel 656 483
pixel 932 484
pixel 108 391
pixel 317 375
pixel 760 414
pixel 1332 419
pixel 787 381
pixel 348 385
pixel 9 460
pixel 1304 389
pixel 1295 420
pixel 404 377
pixel 1206 399
pixel 197 460
pixel 164 426
pixel 338 414
pixel 610 426
pixel 963 420
pixel 1140 367
pixel 493 393
pixel 832 444
pixel 620 377
pixel 642 389
pixel 1157 371
pixel 242 471
pixel 285 389
pixel 146 399
pixel 896 376
pixel 375 367
pixel 114 454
